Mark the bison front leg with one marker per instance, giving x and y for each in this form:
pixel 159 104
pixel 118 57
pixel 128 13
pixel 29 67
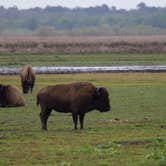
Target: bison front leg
pixel 75 120
pixel 32 87
pixel 81 118
pixel 44 114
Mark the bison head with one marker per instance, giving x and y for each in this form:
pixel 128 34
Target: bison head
pixel 26 86
pixel 102 100
pixel 1 88
pixel 2 95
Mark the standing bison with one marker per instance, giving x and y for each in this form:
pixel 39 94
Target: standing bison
pixel 27 75
pixel 77 98
pixel 10 96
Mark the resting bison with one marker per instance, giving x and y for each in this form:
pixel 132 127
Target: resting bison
pixel 27 75
pixel 10 96
pixel 77 98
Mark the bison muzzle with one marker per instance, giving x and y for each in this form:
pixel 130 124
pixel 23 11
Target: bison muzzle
pixel 77 98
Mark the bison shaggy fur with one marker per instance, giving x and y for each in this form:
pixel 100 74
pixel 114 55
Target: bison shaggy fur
pixel 10 96
pixel 27 75
pixel 77 98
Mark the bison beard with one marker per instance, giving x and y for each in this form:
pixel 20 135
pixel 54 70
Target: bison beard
pixel 77 98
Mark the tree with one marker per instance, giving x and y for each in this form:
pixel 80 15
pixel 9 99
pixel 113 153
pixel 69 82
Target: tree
pixel 32 24
pixel 141 5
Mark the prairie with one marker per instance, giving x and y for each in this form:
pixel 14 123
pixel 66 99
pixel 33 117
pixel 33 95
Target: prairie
pixel 132 133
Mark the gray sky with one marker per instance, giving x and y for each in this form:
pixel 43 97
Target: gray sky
pixel 125 4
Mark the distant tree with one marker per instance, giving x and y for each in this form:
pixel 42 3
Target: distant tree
pixel 105 8
pixel 64 24
pixel 32 24
pixel 113 8
pixel 13 8
pixel 92 20
pixel 141 5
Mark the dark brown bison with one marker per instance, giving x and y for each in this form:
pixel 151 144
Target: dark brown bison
pixel 77 98
pixel 10 96
pixel 27 75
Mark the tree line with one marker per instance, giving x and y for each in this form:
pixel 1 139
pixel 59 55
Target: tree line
pixel 98 20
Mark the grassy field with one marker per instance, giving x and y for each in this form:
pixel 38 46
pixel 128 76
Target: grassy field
pixel 82 60
pixel 133 133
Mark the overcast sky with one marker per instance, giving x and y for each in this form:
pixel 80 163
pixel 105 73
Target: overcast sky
pixel 125 4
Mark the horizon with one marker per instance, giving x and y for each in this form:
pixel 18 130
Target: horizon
pixel 22 4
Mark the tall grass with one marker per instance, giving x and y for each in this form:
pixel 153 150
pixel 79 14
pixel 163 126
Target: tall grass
pixel 82 45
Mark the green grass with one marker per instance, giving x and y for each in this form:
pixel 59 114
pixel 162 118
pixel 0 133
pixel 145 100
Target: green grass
pixel 136 138
pixel 83 60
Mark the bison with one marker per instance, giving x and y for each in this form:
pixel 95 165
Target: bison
pixel 27 75
pixel 76 98
pixel 10 96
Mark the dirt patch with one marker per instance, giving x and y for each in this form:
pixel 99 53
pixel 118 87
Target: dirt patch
pixel 117 120
pixel 133 143
pixel 163 126
pixel 2 137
